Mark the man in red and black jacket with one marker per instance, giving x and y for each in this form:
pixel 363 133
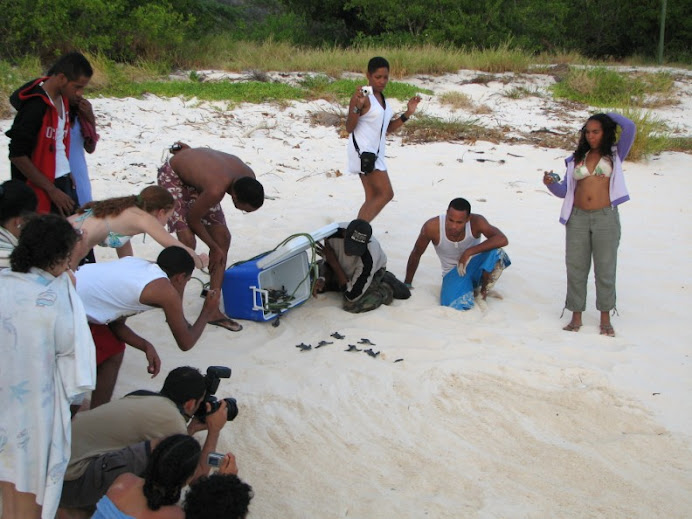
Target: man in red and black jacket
pixel 40 134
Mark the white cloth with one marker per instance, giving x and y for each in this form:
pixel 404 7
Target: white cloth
pixel 370 135
pixel 48 360
pixel 111 289
pixel 8 242
pixel 449 251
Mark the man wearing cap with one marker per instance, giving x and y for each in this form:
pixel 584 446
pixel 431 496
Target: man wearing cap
pixel 355 264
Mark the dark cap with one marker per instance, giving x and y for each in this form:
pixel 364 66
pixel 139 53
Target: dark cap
pixel 356 238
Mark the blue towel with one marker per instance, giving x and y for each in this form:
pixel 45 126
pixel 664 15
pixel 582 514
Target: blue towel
pixel 457 291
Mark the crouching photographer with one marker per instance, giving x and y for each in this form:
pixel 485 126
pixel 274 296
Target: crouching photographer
pixel 119 436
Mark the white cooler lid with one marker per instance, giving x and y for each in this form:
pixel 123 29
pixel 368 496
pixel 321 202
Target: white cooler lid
pixel 295 246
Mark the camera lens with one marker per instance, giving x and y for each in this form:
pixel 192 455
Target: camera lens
pixel 231 408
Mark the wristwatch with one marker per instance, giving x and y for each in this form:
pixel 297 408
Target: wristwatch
pixel 357 110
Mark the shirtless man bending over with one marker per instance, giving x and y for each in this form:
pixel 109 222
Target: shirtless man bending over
pixel 198 179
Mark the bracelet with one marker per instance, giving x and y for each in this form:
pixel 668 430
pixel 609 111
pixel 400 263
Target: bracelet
pixel 403 118
pixel 357 110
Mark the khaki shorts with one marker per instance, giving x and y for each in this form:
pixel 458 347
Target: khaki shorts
pixel 100 473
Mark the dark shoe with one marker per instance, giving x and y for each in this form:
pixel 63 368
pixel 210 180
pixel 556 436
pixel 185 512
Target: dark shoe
pixel 399 288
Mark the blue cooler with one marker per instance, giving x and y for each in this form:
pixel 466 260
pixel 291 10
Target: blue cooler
pixel 249 288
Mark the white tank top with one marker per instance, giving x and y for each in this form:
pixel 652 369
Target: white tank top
pixel 449 251
pixel 111 289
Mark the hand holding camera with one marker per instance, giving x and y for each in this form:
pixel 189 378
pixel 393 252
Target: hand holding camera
pixel 549 177
pixel 366 91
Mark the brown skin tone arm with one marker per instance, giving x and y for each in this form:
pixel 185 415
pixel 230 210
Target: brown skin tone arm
pixel 424 238
pixel 494 238
pixel 162 294
pixel 128 336
pixel 214 424
pixel 63 202
pixel 330 257
pixel 397 123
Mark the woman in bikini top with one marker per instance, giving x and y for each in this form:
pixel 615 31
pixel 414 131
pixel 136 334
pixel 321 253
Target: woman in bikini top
pixel 592 170
pixel 113 222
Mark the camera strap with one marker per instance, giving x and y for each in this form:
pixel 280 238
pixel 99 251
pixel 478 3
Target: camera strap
pixel 353 134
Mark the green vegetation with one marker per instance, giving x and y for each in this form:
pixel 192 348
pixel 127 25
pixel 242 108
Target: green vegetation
pixel 606 87
pixel 195 33
pixel 425 128
pixel 651 137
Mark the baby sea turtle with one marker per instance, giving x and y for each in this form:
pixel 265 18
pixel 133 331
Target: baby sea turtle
pixel 352 347
pixel 304 347
pixel 373 354
pixel 323 343
pixel 337 335
pixel 366 341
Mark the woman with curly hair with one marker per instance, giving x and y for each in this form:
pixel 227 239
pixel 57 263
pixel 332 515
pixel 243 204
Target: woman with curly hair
pixel 112 222
pixel 48 362
pixel 593 187
pixel 220 496
pixel 171 465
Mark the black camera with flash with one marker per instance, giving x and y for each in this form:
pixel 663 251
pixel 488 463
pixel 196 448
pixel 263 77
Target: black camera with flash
pixel 212 379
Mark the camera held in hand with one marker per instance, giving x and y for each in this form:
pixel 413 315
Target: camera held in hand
pixel 366 90
pixel 212 379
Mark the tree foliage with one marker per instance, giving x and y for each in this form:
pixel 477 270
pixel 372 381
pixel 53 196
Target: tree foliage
pixel 125 30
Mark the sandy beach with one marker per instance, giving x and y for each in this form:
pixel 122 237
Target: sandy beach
pixel 492 413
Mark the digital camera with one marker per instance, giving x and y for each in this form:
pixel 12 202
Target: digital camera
pixel 366 90
pixel 176 147
pixel 212 379
pixel 214 459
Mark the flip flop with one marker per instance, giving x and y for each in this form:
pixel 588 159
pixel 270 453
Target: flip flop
pixel 607 330
pixel 228 324
pixel 572 327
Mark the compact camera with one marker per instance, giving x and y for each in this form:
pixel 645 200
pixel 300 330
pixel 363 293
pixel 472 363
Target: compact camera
pixel 554 176
pixel 214 459
pixel 176 147
pixel 212 379
pixel 366 90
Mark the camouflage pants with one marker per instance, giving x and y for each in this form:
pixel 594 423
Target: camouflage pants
pixel 377 294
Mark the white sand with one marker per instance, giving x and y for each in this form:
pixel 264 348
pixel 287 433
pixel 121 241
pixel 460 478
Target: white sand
pixel 494 412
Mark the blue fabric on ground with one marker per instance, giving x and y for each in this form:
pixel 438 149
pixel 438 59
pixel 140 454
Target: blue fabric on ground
pixel 457 291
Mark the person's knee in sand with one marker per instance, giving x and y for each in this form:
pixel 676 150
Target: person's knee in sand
pixel 199 178
pixel 470 266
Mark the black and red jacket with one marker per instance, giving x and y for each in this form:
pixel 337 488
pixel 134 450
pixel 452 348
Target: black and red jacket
pixel 33 134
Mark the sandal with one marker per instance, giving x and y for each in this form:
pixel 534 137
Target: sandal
pixel 572 327
pixel 607 329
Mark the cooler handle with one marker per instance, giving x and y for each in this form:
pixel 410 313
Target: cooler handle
pixel 264 296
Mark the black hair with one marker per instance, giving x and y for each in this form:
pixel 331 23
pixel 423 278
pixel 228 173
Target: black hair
pixel 45 241
pixel 74 65
pixel 175 260
pixel 609 126
pixel 16 199
pixel 219 496
pixel 377 62
pixel 249 191
pixel 460 204
pixel 170 465
pixel 183 384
